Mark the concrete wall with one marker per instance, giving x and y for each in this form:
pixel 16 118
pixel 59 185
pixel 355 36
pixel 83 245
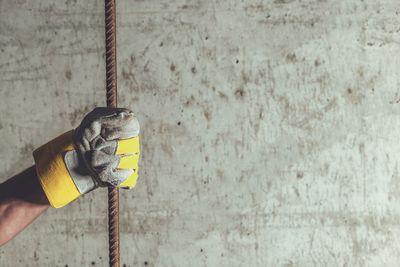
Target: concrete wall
pixel 270 129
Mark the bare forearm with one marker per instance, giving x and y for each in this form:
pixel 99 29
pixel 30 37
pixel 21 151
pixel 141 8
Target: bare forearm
pixel 22 200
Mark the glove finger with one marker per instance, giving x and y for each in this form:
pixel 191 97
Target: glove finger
pixel 98 160
pixel 110 123
pixel 129 161
pixel 104 114
pixel 115 176
pixel 83 137
pixel 108 147
pixel 116 123
pixel 130 128
pixel 113 117
pixel 130 182
pixel 85 134
pixel 128 146
pixel 98 143
pixel 119 133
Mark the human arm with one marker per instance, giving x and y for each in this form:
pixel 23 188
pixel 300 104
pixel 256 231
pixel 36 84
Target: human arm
pixel 22 200
pixel 102 151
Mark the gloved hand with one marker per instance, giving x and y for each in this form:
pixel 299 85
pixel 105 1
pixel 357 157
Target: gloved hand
pixel 102 151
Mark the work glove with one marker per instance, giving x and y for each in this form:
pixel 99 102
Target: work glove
pixel 102 151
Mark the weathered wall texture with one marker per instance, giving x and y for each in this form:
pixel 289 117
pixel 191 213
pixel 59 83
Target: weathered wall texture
pixel 270 129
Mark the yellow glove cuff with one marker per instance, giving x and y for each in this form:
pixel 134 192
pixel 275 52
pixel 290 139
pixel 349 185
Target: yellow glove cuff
pixel 53 175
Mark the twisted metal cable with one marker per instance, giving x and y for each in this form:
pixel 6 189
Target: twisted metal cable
pixel 111 87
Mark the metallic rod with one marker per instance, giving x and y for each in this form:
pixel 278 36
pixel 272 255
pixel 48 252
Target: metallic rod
pixel 111 87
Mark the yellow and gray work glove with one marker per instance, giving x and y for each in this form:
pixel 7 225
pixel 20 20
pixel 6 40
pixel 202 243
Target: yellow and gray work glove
pixel 102 151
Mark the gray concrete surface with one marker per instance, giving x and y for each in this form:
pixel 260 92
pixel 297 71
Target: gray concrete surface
pixel 270 129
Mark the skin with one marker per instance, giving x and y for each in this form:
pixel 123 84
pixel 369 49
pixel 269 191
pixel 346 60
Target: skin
pixel 22 200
